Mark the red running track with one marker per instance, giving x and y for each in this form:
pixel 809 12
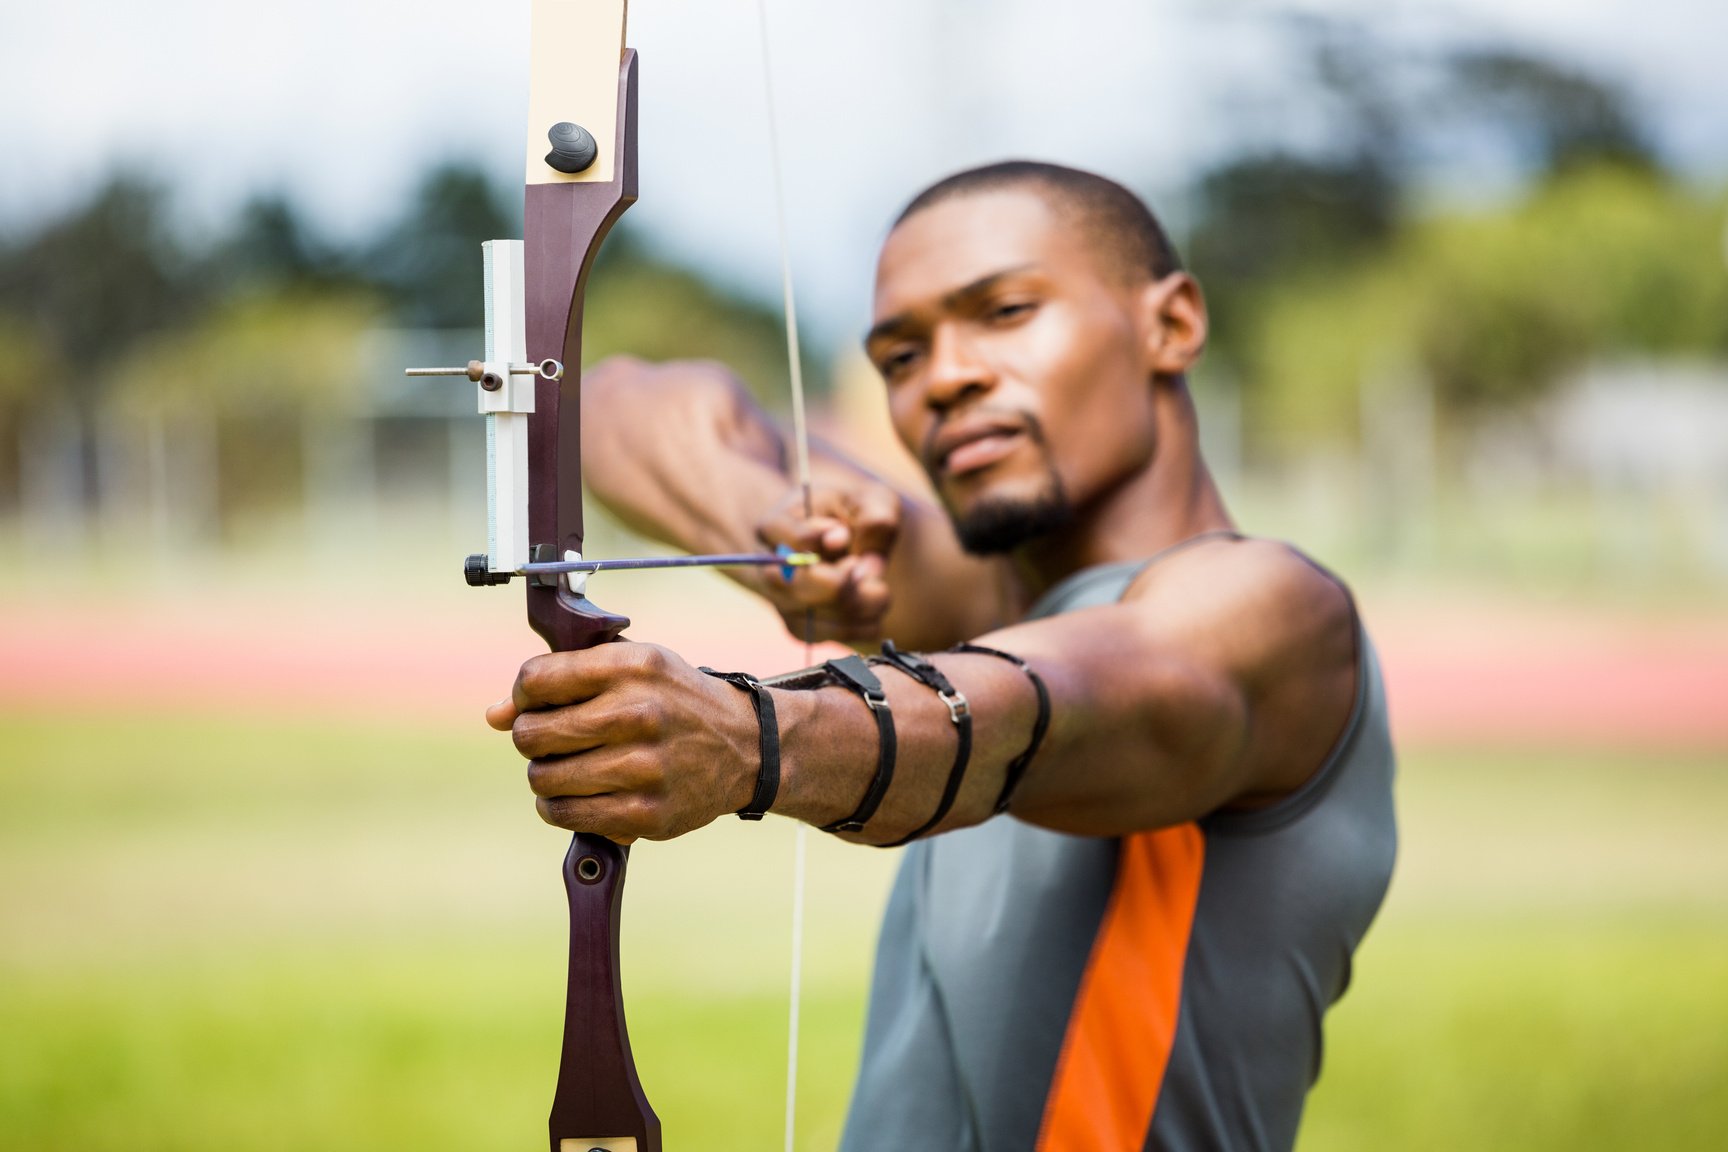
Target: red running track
pixel 1458 673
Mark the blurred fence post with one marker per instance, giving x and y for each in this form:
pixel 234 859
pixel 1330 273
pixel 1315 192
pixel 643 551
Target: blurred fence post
pixel 51 481
pixel 1399 461
pixel 341 478
pixel 1218 397
pixel 183 480
pixel 122 476
pixel 466 483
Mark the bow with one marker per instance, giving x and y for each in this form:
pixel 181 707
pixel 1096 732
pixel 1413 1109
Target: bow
pixel 580 178
pixel 582 107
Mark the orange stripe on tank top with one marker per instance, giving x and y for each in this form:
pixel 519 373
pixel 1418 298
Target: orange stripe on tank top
pixel 1124 1020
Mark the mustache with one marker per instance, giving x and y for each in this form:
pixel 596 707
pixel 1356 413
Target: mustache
pixel 1033 426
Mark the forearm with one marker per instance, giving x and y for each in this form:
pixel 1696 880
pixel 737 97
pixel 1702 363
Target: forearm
pixel 688 457
pixel 1133 742
pixel 832 753
pixel 1210 688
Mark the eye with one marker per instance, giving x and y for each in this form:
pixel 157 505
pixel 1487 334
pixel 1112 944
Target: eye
pixel 1010 311
pixel 897 363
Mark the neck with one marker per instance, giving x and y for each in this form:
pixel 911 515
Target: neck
pixel 1162 504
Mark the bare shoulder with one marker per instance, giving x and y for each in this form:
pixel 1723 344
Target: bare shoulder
pixel 1279 625
pixel 1262 594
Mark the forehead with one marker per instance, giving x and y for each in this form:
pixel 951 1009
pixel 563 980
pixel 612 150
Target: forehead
pixel 962 240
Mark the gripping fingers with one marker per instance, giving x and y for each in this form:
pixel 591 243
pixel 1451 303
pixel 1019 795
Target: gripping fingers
pixel 607 790
pixel 852 594
pixel 821 585
pixel 618 818
pixel 562 732
pixel 875 520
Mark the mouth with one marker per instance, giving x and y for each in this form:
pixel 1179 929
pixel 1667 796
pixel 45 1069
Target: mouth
pixel 970 447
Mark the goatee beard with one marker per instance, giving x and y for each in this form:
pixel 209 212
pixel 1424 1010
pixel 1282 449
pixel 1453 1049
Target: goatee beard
pixel 995 527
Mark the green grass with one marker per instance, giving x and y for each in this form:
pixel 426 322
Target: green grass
pixel 1593 1034
pixel 262 935
pixel 365 1048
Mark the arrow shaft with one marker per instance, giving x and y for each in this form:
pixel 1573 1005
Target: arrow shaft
pixel 640 563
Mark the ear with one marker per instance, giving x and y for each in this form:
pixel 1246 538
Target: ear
pixel 1174 324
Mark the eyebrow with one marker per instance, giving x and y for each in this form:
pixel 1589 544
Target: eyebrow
pixel 895 325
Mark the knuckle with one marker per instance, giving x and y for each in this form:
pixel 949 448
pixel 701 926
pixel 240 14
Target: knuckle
pixel 646 770
pixel 648 819
pixel 525 735
pixel 648 660
pixel 555 810
pixel 644 719
pixel 533 677
pixel 546 777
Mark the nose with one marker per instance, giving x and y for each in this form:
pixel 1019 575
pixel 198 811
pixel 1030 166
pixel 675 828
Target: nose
pixel 957 371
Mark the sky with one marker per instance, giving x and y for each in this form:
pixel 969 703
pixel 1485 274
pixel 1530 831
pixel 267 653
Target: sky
pixel 345 103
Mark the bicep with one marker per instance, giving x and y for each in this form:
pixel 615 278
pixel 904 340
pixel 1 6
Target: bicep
pixel 1216 681
pixel 1149 723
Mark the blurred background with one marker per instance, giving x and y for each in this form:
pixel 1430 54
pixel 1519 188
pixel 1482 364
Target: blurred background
pixel 266 882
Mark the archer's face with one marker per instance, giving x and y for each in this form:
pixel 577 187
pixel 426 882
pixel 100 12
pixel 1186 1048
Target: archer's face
pixel 1015 364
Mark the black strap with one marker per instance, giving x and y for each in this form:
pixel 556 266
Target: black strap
pixel 851 673
pixel 959 714
pixel 768 726
pixel 1017 769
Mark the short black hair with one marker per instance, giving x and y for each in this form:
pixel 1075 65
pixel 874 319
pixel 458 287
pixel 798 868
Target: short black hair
pixel 1118 223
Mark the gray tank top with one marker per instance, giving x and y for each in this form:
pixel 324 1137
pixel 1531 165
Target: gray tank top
pixel 1036 990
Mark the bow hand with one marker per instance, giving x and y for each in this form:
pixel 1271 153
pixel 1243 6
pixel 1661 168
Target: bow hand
pixel 629 741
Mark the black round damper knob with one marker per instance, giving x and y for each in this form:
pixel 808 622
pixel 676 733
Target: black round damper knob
pixel 573 148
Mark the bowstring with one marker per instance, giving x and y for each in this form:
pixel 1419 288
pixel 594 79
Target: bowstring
pixel 801 464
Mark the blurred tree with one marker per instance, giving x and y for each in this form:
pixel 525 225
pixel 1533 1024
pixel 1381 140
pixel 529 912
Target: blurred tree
pixel 1559 117
pixel 81 291
pixel 1496 307
pixel 224 354
pixel 27 370
pixel 1266 219
pixel 97 279
pixel 272 247
pixel 1274 213
pixel 428 262
pixel 428 266
pixel 241 383
pixel 259 355
pixel 1321 266
pixel 642 305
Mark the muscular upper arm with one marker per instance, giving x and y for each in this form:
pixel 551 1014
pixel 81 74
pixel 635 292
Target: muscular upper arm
pixel 1221 679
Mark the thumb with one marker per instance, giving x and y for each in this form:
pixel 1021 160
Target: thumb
pixel 875 520
pixel 502 715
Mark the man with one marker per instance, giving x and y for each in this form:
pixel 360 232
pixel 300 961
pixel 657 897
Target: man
pixel 1184 727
